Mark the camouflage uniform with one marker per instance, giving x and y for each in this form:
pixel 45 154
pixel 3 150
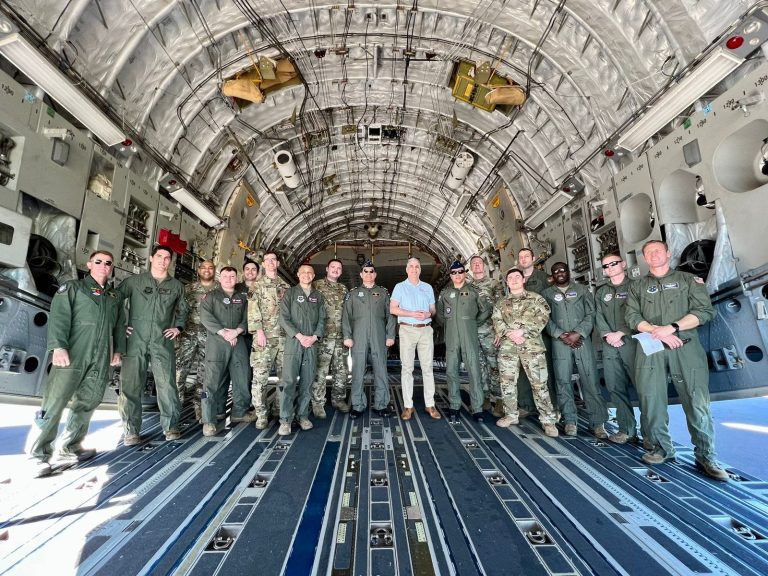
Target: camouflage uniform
pixel 331 352
pixel 537 282
pixel 530 312
pixel 190 347
pixel 492 291
pixel 264 314
pixel 618 363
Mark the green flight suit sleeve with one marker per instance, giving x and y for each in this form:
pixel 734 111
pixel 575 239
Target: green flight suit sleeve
pixel 346 317
pixel 391 321
pixel 60 320
pixel 440 315
pixel 208 318
pixel 632 313
pixel 551 327
pixel 484 310
pixel 119 343
pixel 700 305
pixel 321 318
pixel 600 320
pixel 588 322
pixel 285 316
pixel 182 309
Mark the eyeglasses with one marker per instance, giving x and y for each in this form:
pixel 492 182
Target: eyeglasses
pixel 556 270
pixel 105 262
pixel 611 264
pixel 456 272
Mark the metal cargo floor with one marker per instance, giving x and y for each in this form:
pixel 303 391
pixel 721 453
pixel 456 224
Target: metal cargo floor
pixel 383 496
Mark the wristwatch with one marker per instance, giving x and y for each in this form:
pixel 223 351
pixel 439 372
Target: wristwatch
pixel 675 326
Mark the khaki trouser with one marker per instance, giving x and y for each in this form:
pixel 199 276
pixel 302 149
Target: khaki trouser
pixel 413 340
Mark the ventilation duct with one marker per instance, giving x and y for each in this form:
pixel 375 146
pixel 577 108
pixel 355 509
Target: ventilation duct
pixel 461 166
pixel 287 169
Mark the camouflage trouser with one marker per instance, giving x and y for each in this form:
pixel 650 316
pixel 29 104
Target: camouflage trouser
pixel 489 365
pixel 262 360
pixel 331 354
pixel 524 393
pixel 535 366
pixel 190 359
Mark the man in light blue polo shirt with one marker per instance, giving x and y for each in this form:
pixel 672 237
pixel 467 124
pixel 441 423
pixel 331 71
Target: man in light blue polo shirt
pixel 413 302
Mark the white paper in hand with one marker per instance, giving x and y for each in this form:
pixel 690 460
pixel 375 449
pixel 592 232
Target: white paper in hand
pixel 648 343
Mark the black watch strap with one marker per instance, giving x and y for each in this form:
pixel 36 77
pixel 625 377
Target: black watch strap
pixel 675 326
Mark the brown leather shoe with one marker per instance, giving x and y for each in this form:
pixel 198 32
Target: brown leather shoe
pixel 407 413
pixel 432 411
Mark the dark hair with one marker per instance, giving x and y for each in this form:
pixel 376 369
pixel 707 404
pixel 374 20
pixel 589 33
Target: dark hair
pixel 159 247
pixel 332 260
pixel 228 269
pixel 526 250
pixel 251 262
pixel 105 252
pixel 558 265
pixel 666 247
pixel 268 252
pixel 512 271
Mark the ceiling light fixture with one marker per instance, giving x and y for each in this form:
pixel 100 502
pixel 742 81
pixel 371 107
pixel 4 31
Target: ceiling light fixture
pixel 195 206
pixel 551 207
pixel 19 52
pixel 677 98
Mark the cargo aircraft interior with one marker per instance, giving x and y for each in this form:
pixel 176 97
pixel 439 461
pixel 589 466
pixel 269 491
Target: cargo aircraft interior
pixel 373 132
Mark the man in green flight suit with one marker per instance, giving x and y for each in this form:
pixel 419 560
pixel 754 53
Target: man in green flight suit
pixel 492 291
pixel 224 314
pixel 331 354
pixel 368 327
pixel 156 316
pixel 518 321
pixel 570 326
pixel 86 333
pixel 302 316
pixel 618 345
pixel 461 310
pixel 670 305
pixel 269 338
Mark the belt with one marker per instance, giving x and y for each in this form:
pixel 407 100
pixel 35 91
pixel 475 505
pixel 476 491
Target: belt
pixel 414 325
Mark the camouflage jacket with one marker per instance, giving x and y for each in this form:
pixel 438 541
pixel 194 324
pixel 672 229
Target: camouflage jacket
pixel 193 294
pixel 528 311
pixel 333 294
pixel 264 306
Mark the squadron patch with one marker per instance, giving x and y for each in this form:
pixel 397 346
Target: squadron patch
pixel 360 294
pixel 670 286
pixel 62 289
pixel 558 297
pixel 226 300
pixel 652 289
pixel 608 297
pixel 447 309
pixel 452 295
pixel 300 299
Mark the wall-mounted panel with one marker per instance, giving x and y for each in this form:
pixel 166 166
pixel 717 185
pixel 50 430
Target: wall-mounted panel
pixel 242 209
pixel 101 228
pixel 504 215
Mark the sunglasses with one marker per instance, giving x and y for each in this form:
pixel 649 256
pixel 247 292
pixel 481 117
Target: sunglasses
pixel 105 262
pixel 457 272
pixel 611 264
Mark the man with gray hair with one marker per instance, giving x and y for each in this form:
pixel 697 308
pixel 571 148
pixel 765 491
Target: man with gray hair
pixel 413 302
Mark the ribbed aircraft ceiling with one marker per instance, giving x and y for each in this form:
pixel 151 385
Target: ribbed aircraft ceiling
pixel 587 66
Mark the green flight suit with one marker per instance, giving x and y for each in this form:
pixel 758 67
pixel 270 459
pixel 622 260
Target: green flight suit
pixel 300 313
pixel 574 311
pixel 153 307
pixel 662 301
pixel 537 282
pixel 86 319
pixel 618 363
pixel 219 310
pixel 366 320
pixel 492 291
pixel 461 311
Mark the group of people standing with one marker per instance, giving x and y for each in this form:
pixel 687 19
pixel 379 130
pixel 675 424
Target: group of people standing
pixel 519 348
